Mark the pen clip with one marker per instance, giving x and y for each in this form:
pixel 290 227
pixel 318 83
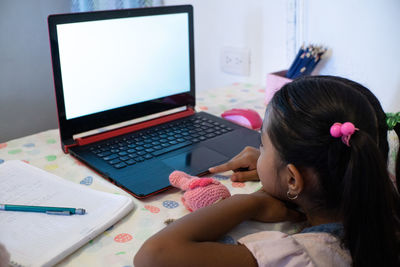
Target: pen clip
pixel 64 212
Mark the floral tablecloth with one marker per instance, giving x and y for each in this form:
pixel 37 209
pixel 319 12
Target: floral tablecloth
pixel 118 245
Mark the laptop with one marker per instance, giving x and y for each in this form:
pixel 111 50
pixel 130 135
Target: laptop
pixel 112 67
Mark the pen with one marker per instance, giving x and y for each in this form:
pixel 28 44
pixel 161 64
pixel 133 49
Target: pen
pixel 47 210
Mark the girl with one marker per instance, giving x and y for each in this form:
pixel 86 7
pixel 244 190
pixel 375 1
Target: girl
pixel 321 142
pixel 247 159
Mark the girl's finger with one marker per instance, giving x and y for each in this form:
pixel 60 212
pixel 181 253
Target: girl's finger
pixel 231 165
pixel 245 176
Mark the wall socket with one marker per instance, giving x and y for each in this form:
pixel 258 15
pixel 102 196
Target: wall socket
pixel 235 60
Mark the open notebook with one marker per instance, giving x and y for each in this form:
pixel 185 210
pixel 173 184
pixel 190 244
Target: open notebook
pixel 38 239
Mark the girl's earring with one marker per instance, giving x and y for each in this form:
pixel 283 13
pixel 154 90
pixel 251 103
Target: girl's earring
pixel 290 196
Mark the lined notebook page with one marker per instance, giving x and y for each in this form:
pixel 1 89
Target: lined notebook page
pixel 36 239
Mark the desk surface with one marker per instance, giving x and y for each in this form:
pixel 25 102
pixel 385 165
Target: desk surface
pixel 118 245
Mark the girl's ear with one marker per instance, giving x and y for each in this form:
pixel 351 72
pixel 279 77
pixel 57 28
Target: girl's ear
pixel 295 181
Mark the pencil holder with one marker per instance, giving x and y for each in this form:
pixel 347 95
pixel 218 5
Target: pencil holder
pixel 274 82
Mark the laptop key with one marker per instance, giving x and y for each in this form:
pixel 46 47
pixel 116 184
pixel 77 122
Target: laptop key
pixel 130 162
pixel 148 156
pixel 132 155
pixel 171 148
pixel 110 157
pixel 114 161
pixel 104 154
pixel 139 159
pixel 120 165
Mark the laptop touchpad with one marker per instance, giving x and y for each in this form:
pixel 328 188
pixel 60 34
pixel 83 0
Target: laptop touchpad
pixel 195 161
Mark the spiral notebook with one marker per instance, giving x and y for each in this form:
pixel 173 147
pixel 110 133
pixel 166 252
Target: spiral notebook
pixel 47 239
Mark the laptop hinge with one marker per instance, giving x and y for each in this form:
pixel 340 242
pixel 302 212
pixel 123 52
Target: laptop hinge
pixel 66 147
pixel 134 127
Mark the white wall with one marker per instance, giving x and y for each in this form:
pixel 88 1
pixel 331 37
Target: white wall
pixel 27 101
pixel 219 23
pixel 364 38
pixel 259 25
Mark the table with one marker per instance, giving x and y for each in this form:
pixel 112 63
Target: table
pixel 118 245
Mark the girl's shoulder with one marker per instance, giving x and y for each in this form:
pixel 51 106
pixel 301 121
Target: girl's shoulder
pixel 273 248
pixel 325 249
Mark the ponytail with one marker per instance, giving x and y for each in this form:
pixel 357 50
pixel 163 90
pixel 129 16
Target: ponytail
pixel 393 123
pixel 367 207
pixel 396 128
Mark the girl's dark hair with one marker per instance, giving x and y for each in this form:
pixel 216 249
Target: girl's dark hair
pixel 353 182
pixel 381 124
pixel 397 130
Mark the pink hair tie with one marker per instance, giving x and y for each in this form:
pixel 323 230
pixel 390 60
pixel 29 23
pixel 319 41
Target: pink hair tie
pixel 344 130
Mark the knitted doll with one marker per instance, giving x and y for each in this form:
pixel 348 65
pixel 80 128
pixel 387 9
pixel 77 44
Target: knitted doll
pixel 200 192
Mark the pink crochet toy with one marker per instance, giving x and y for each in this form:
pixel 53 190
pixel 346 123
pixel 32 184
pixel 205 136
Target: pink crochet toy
pixel 200 192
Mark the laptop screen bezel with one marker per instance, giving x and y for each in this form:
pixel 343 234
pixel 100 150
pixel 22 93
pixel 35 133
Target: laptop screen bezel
pixel 71 127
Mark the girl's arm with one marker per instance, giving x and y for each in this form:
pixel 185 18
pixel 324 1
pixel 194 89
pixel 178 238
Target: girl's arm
pixel 186 242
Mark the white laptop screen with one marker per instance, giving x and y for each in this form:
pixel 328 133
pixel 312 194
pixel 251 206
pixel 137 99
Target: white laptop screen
pixel 106 64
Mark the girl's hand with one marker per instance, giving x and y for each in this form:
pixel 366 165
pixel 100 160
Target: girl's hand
pixel 244 165
pixel 274 210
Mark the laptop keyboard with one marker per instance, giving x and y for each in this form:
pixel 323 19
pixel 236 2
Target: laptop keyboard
pixel 130 149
